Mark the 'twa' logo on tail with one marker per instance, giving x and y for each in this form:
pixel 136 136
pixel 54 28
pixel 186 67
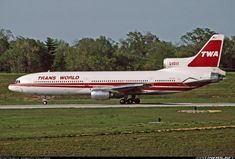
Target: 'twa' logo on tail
pixel 209 55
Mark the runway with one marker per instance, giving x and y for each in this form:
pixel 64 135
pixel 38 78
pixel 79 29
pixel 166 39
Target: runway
pixel 51 106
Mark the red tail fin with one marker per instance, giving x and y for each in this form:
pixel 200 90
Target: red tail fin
pixel 209 55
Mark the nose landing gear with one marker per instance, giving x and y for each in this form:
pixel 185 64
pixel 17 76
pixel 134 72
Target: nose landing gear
pixel 44 100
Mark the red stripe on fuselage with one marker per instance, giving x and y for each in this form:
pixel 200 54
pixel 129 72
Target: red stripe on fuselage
pixel 156 86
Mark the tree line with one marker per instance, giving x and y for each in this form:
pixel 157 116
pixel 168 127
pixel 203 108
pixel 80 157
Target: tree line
pixel 138 51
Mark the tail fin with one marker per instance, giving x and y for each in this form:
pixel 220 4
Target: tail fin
pixel 209 55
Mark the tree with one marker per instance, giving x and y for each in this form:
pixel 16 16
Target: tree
pixel 228 54
pixel 5 37
pixel 79 56
pixel 197 36
pixel 103 56
pixel 23 56
pixel 51 51
pixel 193 41
pixel 158 52
pixel 60 53
pixel 134 50
pixel 91 54
pixel 137 51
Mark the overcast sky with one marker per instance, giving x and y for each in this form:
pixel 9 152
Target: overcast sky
pixel 72 20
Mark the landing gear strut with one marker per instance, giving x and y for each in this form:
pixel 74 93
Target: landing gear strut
pixel 132 100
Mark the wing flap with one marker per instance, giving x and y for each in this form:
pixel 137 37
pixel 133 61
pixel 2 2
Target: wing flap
pixel 130 87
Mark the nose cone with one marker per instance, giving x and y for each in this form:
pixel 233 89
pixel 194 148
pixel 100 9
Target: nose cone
pixel 14 88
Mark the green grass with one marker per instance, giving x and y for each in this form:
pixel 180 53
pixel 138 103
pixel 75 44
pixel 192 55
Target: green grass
pixel 196 143
pixel 33 123
pixel 223 91
pixel 115 132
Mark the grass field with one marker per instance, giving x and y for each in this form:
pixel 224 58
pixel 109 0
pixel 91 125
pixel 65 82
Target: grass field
pixel 116 132
pixel 223 91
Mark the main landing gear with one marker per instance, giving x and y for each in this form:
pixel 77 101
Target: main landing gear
pixel 131 100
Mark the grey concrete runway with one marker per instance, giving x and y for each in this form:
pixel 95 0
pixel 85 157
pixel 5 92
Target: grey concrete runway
pixel 116 106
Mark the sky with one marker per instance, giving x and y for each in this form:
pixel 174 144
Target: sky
pixel 71 20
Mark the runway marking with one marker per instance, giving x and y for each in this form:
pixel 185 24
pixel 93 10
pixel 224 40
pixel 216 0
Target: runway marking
pixel 199 111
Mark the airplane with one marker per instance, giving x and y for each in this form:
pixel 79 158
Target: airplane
pixel 178 75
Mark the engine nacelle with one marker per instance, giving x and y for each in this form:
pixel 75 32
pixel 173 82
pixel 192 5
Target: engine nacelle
pixel 100 94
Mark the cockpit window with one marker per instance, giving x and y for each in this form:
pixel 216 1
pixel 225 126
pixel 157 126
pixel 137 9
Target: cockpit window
pixel 17 81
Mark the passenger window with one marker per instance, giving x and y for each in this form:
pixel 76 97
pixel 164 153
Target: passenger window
pixel 17 81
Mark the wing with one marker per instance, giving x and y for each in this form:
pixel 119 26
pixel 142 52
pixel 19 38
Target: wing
pixel 130 87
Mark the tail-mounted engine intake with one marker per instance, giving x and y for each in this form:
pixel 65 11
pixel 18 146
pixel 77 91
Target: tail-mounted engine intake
pixel 215 77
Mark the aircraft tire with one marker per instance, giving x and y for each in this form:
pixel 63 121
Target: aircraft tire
pixel 137 101
pixel 122 101
pixel 129 101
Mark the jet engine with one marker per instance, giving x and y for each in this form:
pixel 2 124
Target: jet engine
pixel 100 94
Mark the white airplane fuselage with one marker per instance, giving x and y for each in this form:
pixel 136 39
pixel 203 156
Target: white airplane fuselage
pixel 164 81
